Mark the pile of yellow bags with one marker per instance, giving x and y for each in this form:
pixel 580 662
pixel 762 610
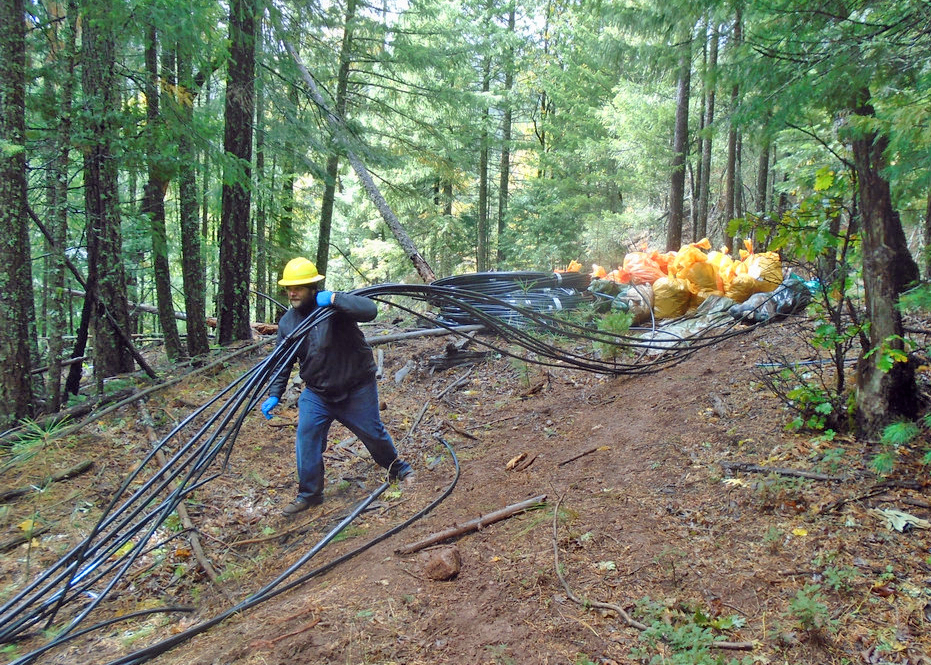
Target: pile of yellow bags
pixel 684 279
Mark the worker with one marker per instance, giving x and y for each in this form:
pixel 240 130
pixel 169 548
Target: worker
pixel 338 371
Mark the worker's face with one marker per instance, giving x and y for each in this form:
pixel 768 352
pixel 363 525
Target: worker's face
pixel 301 296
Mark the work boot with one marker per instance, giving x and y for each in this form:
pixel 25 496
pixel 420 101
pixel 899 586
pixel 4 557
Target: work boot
pixel 400 470
pixel 300 504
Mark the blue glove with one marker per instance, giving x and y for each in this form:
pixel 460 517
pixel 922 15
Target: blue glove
pixel 268 405
pixel 324 298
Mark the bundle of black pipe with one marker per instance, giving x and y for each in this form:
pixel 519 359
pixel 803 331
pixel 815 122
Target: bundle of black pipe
pixel 198 447
pixel 534 291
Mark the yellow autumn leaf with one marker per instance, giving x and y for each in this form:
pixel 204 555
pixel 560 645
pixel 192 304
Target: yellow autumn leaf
pixel 799 531
pixel 28 526
pixel 734 482
pixel 123 550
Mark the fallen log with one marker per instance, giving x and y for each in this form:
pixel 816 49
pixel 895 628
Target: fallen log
pixel 797 473
pixel 63 475
pixel 473 525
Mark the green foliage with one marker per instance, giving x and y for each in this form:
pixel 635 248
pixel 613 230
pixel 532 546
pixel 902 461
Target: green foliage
pixel 815 235
pixel 899 436
pixel 615 323
pixel 809 610
pixel 683 635
pixel 838 579
pixel 34 437
pixel 813 405
pixel 9 150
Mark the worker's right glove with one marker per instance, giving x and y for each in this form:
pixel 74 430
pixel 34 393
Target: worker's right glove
pixel 325 298
pixel 268 405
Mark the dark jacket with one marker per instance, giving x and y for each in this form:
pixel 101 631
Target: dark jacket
pixel 334 356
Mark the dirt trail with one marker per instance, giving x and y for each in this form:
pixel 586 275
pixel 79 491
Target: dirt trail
pixel 647 517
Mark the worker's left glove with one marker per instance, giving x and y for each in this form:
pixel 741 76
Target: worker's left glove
pixel 268 405
pixel 325 298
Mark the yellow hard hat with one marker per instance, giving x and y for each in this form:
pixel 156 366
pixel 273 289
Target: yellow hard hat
pixel 299 271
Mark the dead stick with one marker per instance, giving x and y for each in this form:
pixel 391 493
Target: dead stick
pixel 430 332
pixel 271 642
pixel 753 468
pixel 455 384
pixel 582 454
pixel 16 541
pixel 182 511
pixel 57 434
pixel 63 475
pixel 461 431
pixel 473 525
pixel 501 420
pixel 617 609
pixel 276 536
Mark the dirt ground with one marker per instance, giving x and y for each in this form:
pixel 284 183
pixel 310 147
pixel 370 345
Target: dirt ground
pixel 651 526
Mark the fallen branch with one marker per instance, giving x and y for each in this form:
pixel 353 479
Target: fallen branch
pixel 455 383
pixel 416 422
pixel 63 475
pixel 182 511
pixel 279 535
pixel 461 431
pixel 617 609
pixel 71 429
pixel 473 525
pixel 582 454
pixel 267 643
pixel 753 468
pixel 15 541
pixel 429 332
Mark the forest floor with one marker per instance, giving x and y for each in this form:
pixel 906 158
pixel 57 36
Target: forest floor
pixel 651 524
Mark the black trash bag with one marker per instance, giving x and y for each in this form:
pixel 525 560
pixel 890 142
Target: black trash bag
pixel 791 296
pixel 757 308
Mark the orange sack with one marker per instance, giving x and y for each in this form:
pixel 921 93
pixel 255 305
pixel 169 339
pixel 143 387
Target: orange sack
pixel 642 268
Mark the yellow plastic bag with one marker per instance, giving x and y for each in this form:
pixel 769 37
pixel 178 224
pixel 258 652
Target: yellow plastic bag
pixel 765 268
pixel 685 258
pixel 704 276
pixel 741 287
pixel 671 297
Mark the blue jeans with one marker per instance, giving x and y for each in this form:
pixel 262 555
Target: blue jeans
pixel 359 413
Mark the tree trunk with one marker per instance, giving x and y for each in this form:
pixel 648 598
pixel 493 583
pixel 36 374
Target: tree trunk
pixel 17 317
pixel 153 201
pixel 927 236
pixel 888 270
pixel 262 306
pixel 192 260
pixel 504 178
pixel 110 316
pixel 287 243
pixel 332 164
pixel 336 125
pixel 705 181
pixel 762 176
pixel 64 63
pixel 481 244
pixel 679 150
pixel 235 240
pixel 732 181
